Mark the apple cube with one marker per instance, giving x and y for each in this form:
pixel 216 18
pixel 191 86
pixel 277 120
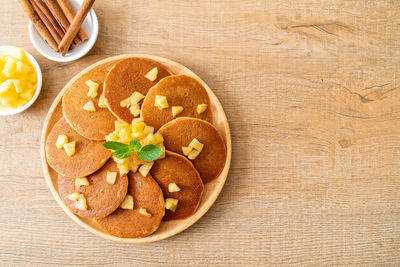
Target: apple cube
pixel 111 177
pixel 201 108
pixel 127 204
pixel 70 148
pixel 61 140
pixel 81 181
pixel 176 110
pixel 89 106
pixel 73 196
pixel 193 155
pixel 161 102
pixel 102 102
pixel 196 145
pixel 186 150
pixel 93 86
pixel 135 110
pixel 80 204
pixel 144 212
pixel 152 74
pixel 173 187
pixel 145 168
pixel 171 204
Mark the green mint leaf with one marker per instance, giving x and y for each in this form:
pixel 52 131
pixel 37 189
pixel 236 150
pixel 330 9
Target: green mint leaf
pixel 149 153
pixel 123 153
pixel 135 145
pixel 112 145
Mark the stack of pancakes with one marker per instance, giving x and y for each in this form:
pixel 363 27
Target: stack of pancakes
pixel 118 81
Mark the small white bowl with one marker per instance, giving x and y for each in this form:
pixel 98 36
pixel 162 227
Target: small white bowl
pixel 90 26
pixel 38 87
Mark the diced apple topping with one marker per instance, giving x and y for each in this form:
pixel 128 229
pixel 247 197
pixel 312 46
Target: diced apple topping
pixel 152 74
pixel 145 168
pixel 148 130
pixel 102 102
pixel 186 150
pixel 176 110
pixel 61 140
pixel 193 155
pixel 70 148
pixel 195 144
pixel 111 177
pixel 73 196
pixel 144 212
pixel 201 108
pixel 92 88
pixel 171 204
pixel 127 204
pixel 89 106
pixel 161 102
pixel 81 181
pixel 132 100
pixel 123 168
pixel 135 110
pixel 173 187
pixel 80 204
pixel 157 139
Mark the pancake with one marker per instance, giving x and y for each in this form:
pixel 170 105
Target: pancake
pixel 130 223
pixel 180 90
pixel 126 77
pixel 92 125
pixel 180 132
pixel 101 198
pixel 90 155
pixel 175 168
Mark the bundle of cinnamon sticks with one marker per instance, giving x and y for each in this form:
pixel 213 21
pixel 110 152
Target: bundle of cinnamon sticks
pixel 56 22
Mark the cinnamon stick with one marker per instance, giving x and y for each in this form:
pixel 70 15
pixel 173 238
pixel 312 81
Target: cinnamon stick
pixel 60 17
pixel 43 8
pixel 46 22
pixel 39 25
pixel 70 14
pixel 75 26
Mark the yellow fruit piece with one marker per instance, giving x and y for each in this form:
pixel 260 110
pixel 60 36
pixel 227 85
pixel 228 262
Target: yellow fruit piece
pixel 6 86
pixel 176 110
pixel 173 187
pixel 125 103
pixel 93 86
pixel 73 196
pixel 135 110
pixel 10 67
pixel 196 145
pixel 102 103
pixel 161 102
pixel 201 108
pixel 148 130
pixel 81 203
pixel 157 139
pixel 111 177
pixel 132 100
pixel 145 168
pixel 81 181
pixel 61 140
pixel 15 52
pixel 70 148
pixel 123 168
pixel 171 204
pixel 127 204
pixel 186 150
pixel 89 106
pixel 138 125
pixel 193 155
pixel 152 74
pixel 144 212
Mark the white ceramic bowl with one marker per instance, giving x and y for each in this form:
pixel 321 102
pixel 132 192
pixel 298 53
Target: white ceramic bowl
pixel 38 87
pixel 90 26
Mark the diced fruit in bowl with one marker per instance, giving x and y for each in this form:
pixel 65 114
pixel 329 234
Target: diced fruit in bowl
pixel 171 204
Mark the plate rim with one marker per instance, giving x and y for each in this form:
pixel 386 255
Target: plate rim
pixel 152 237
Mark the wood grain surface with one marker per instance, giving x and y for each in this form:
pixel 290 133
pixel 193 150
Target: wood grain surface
pixel 311 91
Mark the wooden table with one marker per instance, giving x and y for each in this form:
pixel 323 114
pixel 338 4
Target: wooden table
pixel 312 94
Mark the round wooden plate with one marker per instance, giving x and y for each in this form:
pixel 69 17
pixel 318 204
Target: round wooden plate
pixel 211 190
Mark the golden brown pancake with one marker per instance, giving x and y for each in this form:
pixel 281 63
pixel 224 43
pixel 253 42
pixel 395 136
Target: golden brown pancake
pixel 130 223
pixel 175 168
pixel 180 132
pixel 180 90
pixel 101 198
pixel 92 125
pixel 126 77
pixel 90 155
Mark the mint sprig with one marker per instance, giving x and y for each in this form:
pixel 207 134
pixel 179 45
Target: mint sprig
pixel 123 151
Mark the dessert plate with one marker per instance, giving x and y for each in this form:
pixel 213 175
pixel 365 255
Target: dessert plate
pixel 211 189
